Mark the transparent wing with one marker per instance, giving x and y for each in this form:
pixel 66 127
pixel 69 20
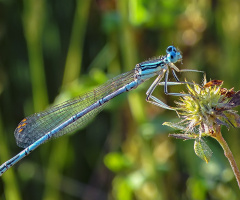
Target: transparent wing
pixel 35 126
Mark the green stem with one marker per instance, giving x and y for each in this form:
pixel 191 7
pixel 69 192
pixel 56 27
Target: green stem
pixel 228 154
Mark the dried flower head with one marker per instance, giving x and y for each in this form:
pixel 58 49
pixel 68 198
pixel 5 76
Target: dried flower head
pixel 209 107
pixel 203 110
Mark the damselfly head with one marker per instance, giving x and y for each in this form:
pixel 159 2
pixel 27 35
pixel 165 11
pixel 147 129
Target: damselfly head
pixel 173 55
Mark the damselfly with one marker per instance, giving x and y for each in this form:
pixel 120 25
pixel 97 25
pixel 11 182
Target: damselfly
pixel 70 115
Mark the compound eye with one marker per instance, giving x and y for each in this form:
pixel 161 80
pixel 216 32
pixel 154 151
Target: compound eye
pixel 172 57
pixel 169 49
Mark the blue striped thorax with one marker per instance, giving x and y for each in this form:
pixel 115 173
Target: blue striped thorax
pixel 158 65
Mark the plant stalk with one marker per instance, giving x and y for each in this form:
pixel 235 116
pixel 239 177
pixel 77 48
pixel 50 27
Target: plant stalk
pixel 227 152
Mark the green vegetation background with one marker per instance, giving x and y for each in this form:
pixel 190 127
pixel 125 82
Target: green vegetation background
pixel 51 51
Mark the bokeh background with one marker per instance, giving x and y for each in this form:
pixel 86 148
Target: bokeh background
pixel 51 51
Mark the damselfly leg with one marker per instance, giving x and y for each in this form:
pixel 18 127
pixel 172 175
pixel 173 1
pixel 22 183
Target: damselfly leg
pixel 166 83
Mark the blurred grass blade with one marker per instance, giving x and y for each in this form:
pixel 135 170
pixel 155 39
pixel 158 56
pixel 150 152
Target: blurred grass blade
pixel 11 190
pixel 33 22
pixel 74 57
